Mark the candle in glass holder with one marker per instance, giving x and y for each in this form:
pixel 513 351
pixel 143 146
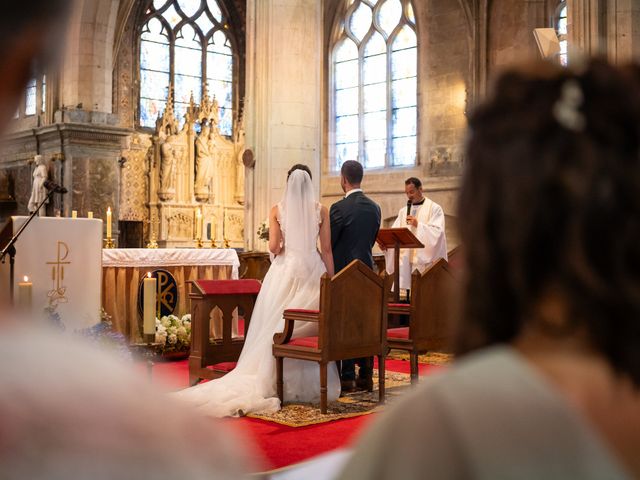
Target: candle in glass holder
pixel 109 222
pixel 74 214
pixel 198 225
pixel 25 293
pixel 89 214
pixel 149 310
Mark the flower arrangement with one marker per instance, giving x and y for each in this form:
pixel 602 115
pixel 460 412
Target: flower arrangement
pixel 103 335
pixel 263 231
pixel 174 333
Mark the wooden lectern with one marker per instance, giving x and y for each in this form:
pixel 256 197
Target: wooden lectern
pixel 397 238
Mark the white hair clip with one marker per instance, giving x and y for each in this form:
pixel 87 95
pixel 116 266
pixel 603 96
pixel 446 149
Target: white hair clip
pixel 566 109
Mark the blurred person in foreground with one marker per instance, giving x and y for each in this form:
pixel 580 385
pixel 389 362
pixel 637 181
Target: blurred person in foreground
pixel 69 411
pixel 547 383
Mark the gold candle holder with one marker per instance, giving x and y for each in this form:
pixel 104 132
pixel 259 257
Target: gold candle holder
pixel 213 243
pixel 199 243
pixel 226 243
pixel 152 243
pixel 108 243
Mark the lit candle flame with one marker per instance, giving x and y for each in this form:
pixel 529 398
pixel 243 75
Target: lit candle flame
pixel 108 209
pixel 26 279
pixel 149 274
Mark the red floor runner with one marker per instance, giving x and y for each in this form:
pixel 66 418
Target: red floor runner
pixel 281 445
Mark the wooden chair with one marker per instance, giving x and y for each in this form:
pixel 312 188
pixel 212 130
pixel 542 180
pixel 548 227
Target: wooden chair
pixel 352 323
pixel 430 314
pixel 212 358
pixel 254 265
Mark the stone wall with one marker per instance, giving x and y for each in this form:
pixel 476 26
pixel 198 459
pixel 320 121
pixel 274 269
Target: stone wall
pixel 445 79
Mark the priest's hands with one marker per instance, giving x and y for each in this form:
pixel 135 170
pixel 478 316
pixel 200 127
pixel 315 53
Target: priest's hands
pixel 411 220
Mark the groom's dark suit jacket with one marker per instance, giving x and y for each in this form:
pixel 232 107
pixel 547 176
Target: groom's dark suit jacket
pixel 355 221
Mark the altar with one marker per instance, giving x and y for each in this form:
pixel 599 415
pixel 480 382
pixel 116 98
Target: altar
pixel 124 268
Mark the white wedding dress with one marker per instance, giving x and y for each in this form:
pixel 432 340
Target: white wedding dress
pixel 293 281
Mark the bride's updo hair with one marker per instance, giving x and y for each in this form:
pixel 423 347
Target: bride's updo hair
pixel 299 166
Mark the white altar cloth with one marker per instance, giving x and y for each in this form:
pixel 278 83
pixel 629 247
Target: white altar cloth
pixel 170 257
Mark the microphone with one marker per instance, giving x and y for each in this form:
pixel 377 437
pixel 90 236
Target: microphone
pixel 53 186
pixel 408 207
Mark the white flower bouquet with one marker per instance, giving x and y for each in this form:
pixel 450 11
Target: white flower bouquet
pixel 174 333
pixel 263 231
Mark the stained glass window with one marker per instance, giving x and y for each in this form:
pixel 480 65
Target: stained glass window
pixel 374 84
pixel 185 45
pixel 561 31
pixel 30 107
pixel 44 93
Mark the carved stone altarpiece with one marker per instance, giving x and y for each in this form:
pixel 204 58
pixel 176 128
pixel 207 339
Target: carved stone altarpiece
pixel 190 170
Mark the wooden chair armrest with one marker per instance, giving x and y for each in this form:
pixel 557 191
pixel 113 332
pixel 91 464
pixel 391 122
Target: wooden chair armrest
pixel 404 309
pixel 290 317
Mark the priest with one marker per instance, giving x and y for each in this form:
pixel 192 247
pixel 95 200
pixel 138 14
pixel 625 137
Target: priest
pixel 425 219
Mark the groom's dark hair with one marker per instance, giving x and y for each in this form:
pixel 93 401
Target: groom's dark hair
pixel 352 171
pixel 299 166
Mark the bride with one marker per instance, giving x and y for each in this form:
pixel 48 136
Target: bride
pixel 293 281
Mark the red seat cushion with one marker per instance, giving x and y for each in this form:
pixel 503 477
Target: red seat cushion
pixel 310 342
pixel 223 367
pixel 301 310
pixel 399 305
pixel 229 287
pixel 402 332
pixel 241 326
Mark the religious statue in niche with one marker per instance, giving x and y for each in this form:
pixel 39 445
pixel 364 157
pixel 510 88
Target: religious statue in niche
pixel 204 163
pixel 168 167
pixel 38 190
pixel 194 169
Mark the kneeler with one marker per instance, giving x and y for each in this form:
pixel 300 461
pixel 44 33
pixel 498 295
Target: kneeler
pixel 352 323
pixel 430 314
pixel 212 358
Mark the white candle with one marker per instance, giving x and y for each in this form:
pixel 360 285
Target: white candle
pixel 74 214
pixel 25 293
pixel 89 214
pixel 149 310
pixel 198 225
pixel 109 222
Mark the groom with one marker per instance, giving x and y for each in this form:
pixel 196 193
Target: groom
pixel 355 221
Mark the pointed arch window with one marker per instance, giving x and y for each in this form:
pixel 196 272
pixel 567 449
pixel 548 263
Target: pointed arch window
pixel 560 24
pixel 185 46
pixel 374 87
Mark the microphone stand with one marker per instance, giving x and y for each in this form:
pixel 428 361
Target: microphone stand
pixel 10 248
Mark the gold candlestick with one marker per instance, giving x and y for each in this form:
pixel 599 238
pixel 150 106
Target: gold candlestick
pixel 226 243
pixel 108 243
pixel 213 243
pixel 152 243
pixel 152 235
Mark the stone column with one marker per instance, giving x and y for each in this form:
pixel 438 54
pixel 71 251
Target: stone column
pixel 586 28
pixel 283 120
pixel 623 30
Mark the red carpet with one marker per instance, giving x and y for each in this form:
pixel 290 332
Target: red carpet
pixel 281 445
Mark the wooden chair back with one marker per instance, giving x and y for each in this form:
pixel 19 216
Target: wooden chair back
pixel 353 312
pixel 432 306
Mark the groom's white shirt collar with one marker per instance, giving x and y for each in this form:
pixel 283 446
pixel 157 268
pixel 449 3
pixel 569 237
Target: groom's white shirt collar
pixel 352 191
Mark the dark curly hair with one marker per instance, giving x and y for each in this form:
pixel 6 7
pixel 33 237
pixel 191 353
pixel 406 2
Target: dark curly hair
pixel 550 202
pixel 299 166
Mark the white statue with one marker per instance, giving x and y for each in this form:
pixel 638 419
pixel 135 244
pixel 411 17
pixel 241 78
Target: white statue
pixel 168 166
pixel 38 191
pixel 203 163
